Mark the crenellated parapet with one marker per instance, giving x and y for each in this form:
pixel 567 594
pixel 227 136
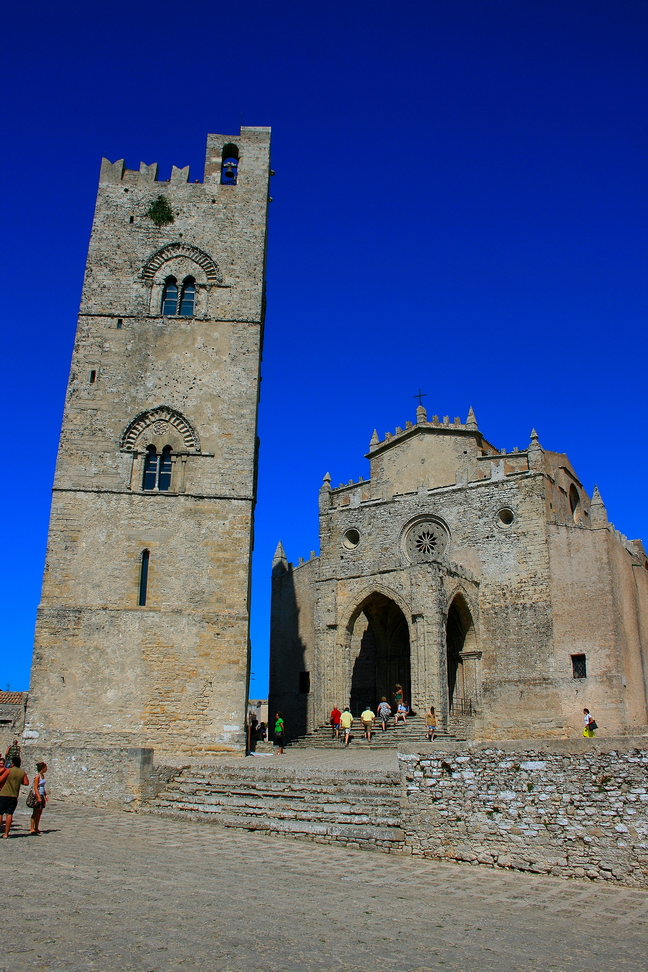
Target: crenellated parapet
pixel 435 424
pixel 219 148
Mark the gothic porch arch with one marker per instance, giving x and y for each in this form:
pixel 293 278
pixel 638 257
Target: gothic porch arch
pixel 376 636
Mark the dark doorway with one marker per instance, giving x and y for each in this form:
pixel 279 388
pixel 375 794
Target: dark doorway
pixel 459 637
pixel 380 636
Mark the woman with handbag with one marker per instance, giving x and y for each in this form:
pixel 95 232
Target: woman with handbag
pixel 590 724
pixel 37 798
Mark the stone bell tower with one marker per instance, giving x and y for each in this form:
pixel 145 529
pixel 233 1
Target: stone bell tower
pixel 142 637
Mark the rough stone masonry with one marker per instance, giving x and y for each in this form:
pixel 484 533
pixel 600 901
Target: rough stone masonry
pixel 573 809
pixel 142 632
pixel 485 582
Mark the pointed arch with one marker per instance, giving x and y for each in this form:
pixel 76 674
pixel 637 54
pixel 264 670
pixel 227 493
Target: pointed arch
pixel 161 414
pixel 379 651
pixel 462 656
pixel 172 250
pixel 355 608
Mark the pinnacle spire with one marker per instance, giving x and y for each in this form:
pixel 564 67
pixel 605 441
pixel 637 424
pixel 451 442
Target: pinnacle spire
pixel 471 421
pixel 279 560
pixel 374 439
pixel 598 513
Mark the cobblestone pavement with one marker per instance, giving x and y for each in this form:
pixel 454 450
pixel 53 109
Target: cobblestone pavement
pixel 118 892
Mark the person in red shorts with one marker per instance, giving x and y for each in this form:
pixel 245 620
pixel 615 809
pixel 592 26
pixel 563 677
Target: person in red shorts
pixel 335 722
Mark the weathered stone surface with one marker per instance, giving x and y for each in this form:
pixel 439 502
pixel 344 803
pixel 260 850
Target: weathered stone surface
pixel 171 673
pixel 122 892
pixel 470 576
pixel 571 809
pixel 563 807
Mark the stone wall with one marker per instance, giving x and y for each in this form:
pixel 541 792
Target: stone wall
pixel 572 809
pixel 12 717
pixel 522 607
pixel 115 777
pixel 159 652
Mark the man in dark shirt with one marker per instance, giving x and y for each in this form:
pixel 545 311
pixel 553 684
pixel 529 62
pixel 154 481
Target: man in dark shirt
pixel 12 780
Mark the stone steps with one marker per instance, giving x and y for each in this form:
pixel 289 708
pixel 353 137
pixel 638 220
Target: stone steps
pixel 362 810
pixel 412 733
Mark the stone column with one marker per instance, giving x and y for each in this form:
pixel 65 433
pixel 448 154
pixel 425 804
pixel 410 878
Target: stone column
pixel 428 672
pixel 134 463
pixel 183 472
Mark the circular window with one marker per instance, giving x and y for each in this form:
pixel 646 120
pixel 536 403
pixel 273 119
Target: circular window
pixel 351 539
pixel 506 517
pixel 426 541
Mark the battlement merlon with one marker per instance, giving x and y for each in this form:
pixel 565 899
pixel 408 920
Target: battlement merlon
pixel 251 140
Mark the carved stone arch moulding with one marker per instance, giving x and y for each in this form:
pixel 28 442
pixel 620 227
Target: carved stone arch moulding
pixel 165 416
pixel 353 610
pixel 471 602
pixel 171 250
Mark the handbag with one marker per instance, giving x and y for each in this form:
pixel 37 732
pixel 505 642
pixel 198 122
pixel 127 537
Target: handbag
pixel 32 800
pixel 592 724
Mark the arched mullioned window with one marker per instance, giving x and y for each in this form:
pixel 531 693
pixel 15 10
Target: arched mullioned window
pixel 170 297
pixel 179 300
pixel 188 298
pixel 157 469
pixel 229 165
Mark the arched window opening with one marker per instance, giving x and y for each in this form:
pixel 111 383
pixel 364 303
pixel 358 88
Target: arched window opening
pixel 229 165
pixel 575 504
pixel 150 478
pixel 170 297
pixel 157 469
pixel 164 479
pixel 188 297
pixel 143 584
pixel 462 658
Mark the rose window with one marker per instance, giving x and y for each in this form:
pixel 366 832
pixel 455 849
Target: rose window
pixel 426 541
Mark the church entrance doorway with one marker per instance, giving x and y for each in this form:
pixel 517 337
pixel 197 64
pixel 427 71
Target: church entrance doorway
pixel 380 653
pixel 460 644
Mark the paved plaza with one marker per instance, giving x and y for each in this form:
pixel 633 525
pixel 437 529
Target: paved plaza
pixel 119 892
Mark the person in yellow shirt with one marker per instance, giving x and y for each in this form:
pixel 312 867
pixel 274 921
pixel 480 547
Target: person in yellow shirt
pixel 346 721
pixel 368 718
pixel 430 724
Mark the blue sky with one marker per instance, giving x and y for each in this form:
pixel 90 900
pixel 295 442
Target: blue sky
pixel 460 205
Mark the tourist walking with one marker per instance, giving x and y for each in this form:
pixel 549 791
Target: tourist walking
pixel 40 798
pixel 12 750
pixel 10 791
pixel 279 731
pixel 384 712
pixel 335 722
pixel 590 725
pixel 430 724
pixel 368 718
pixel 346 721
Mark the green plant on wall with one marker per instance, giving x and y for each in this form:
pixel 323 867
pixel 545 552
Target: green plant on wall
pixel 160 212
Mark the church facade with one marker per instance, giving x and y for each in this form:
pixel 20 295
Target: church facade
pixel 142 636
pixel 485 583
